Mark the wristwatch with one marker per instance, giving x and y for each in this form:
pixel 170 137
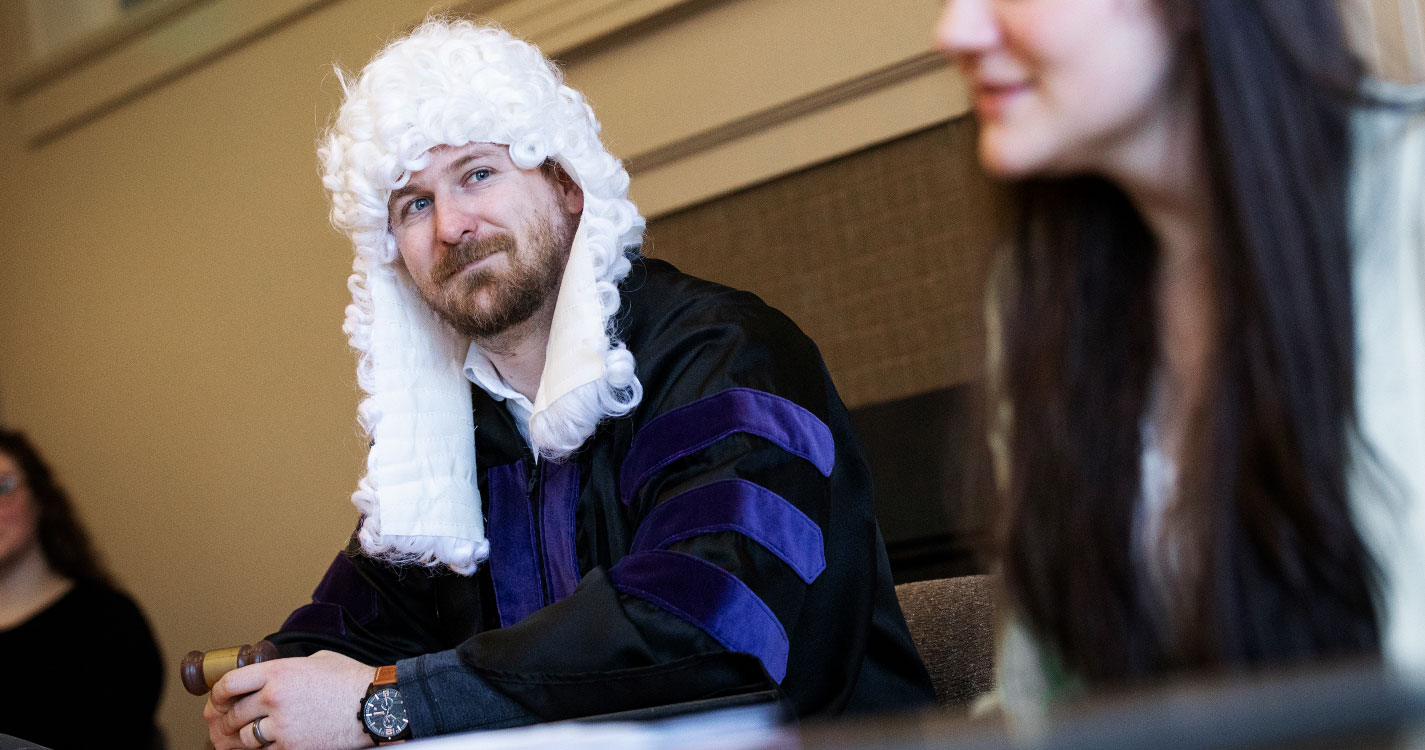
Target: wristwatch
pixel 383 713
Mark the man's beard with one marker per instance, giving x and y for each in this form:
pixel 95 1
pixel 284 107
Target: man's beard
pixel 512 294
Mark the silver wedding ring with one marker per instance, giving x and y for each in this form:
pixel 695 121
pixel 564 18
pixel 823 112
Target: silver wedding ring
pixel 257 732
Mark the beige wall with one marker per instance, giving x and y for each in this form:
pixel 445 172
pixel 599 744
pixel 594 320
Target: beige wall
pixel 170 307
pixel 1390 35
pixel 171 295
pixel 14 34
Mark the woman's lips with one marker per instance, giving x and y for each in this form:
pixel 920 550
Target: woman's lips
pixel 992 99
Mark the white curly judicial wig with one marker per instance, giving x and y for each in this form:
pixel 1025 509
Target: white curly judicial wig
pixel 449 83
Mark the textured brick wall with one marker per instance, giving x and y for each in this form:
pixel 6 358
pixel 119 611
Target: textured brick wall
pixel 880 256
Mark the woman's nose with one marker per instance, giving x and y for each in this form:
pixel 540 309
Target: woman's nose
pixel 966 28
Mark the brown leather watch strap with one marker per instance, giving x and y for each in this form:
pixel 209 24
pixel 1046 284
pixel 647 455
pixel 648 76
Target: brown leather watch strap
pixel 385 675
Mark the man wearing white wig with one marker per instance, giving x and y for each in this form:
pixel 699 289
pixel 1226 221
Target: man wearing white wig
pixel 594 484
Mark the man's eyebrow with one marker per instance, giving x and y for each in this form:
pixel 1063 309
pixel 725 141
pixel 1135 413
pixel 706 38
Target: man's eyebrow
pixel 478 152
pixel 402 192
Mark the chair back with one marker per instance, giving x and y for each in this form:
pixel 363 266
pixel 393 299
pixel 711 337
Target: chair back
pixel 952 621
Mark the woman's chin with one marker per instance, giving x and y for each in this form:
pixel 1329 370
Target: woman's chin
pixel 1007 164
pixel 1006 157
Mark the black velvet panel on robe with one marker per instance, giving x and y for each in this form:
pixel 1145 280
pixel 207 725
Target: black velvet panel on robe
pixel 741 434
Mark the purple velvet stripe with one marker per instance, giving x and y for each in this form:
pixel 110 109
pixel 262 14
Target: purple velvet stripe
pixel 710 598
pixel 317 617
pixel 695 426
pixel 342 589
pixel 738 505
pixel 560 490
pixel 343 586
pixel 513 562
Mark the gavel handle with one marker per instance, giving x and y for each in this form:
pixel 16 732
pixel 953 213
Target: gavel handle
pixel 201 670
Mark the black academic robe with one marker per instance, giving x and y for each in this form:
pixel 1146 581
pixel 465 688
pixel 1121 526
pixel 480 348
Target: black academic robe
pixel 717 540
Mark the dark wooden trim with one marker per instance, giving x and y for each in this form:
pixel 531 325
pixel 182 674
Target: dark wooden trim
pixel 91 48
pixel 757 122
pixel 105 106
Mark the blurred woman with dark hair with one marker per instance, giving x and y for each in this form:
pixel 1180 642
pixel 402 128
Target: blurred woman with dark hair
pixel 64 628
pixel 1205 339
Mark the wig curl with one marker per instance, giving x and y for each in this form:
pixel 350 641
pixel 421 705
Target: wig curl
pixel 449 83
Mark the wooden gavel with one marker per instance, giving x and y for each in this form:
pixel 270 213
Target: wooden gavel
pixel 202 669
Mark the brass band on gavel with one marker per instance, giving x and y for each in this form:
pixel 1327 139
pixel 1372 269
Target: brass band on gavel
pixel 201 670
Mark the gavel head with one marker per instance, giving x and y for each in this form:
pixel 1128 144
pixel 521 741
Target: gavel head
pixel 201 670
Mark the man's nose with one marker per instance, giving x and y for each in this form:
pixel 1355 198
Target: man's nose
pixel 966 28
pixel 454 221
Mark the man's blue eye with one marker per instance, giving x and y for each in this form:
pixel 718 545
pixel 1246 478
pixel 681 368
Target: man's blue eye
pixel 480 175
pixel 419 204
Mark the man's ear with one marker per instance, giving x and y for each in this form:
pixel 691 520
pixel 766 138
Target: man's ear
pixel 571 196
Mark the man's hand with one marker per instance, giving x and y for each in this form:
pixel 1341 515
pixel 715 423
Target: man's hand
pixel 305 704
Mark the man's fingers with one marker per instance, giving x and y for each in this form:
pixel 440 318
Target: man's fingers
pixel 248 734
pixel 244 711
pixel 232 706
pixel 238 683
pixel 223 740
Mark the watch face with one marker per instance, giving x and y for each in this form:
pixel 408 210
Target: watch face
pixel 385 713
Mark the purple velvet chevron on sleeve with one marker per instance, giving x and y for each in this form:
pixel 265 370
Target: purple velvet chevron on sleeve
pixel 341 589
pixel 692 427
pixel 710 598
pixel 738 505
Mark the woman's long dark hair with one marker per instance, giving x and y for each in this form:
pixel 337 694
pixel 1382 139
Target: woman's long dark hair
pixel 66 545
pixel 1275 569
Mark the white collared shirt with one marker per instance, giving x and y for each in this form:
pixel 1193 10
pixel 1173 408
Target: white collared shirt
pixel 481 371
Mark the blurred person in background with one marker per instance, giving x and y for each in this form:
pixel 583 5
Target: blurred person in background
pixel 1205 339
pixel 62 620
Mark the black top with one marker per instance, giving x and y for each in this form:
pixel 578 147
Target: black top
pixel 717 540
pixel 83 673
